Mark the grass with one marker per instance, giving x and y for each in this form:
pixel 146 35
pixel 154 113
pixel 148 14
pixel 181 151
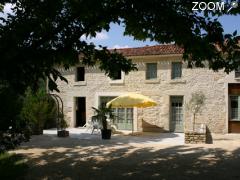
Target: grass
pixel 12 166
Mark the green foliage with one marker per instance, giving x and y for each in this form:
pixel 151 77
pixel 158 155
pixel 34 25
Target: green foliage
pixel 101 114
pixel 13 129
pixel 38 110
pixel 10 108
pixel 1 7
pixel 62 123
pixel 12 166
pixel 195 104
pixel 33 41
pixel 22 114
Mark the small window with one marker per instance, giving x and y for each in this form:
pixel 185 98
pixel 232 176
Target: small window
pixel 237 72
pixel 151 71
pixel 117 75
pixel 235 111
pixel 80 74
pixel 176 70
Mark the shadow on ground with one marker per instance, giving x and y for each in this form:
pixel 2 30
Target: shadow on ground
pixel 72 158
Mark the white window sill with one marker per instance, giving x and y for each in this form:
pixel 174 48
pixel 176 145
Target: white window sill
pixel 117 82
pixel 177 81
pixel 80 83
pixel 152 81
pixel 237 78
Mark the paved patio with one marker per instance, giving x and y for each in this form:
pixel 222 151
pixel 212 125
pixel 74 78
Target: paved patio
pixel 147 156
pixel 125 137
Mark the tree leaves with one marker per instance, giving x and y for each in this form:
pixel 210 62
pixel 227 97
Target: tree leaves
pixel 42 35
pixel 235 33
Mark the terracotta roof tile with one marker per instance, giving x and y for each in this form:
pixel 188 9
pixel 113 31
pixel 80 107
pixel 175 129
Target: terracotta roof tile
pixel 151 50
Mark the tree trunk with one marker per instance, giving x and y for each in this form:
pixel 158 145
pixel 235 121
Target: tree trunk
pixel 194 122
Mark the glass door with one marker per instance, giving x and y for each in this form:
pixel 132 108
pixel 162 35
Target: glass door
pixel 176 122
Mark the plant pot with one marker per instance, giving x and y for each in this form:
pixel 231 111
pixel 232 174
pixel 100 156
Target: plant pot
pixel 63 133
pixel 37 131
pixel 106 133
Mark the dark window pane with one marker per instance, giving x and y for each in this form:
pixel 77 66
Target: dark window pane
pixel 176 70
pixel 234 107
pixel 80 74
pixel 151 71
pixel 117 75
pixel 234 104
pixel 237 73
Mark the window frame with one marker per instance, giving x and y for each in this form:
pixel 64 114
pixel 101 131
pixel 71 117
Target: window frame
pixel 119 72
pixel 147 74
pixel 237 73
pixel 76 74
pixel 230 108
pixel 173 77
pixel 117 81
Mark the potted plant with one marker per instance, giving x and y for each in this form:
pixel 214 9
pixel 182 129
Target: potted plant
pixel 62 132
pixel 194 106
pixel 101 114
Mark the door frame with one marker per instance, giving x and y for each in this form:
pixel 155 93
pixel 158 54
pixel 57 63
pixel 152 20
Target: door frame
pixel 170 113
pixel 75 112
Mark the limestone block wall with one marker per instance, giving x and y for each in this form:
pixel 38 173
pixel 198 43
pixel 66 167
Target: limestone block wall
pixel 212 84
pixel 195 138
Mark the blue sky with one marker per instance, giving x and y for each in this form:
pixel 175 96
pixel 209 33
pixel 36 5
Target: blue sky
pixel 115 39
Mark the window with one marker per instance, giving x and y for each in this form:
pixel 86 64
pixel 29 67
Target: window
pixel 80 74
pixel 237 72
pixel 123 116
pixel 176 70
pixel 235 108
pixel 117 75
pixel 151 71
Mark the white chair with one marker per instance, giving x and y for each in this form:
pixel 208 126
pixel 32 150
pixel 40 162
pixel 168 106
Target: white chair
pixel 96 124
pixel 88 125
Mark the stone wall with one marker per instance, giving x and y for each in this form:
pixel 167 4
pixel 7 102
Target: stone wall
pixel 212 84
pixel 195 138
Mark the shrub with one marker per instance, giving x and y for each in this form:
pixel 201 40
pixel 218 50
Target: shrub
pixel 13 129
pixel 39 110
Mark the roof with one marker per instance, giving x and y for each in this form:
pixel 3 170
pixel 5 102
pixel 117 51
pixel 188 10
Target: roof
pixel 151 50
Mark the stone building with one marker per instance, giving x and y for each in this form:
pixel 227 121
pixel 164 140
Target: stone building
pixel 163 76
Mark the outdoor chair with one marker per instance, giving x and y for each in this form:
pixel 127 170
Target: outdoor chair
pixel 88 126
pixel 96 124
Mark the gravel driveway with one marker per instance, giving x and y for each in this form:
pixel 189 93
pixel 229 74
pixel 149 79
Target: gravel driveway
pixel 147 156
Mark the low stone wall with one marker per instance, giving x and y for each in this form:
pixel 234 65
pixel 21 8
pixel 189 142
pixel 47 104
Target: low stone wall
pixel 195 138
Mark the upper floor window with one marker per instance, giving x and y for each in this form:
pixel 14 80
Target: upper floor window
pixel 176 70
pixel 80 74
pixel 237 72
pixel 151 71
pixel 117 75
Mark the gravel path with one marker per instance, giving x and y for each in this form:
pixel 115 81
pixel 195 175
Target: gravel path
pixel 147 156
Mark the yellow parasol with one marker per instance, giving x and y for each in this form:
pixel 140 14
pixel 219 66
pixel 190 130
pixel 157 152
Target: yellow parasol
pixel 131 100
